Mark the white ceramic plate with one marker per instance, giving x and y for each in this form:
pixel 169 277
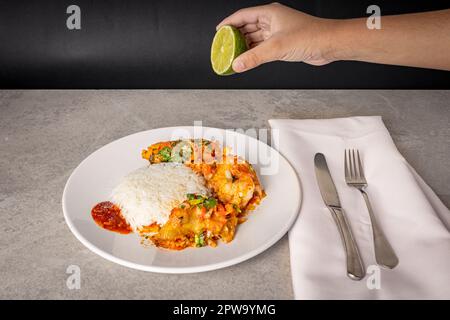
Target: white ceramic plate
pixel 93 180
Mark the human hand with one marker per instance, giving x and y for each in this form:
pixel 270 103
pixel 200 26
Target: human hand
pixel 276 32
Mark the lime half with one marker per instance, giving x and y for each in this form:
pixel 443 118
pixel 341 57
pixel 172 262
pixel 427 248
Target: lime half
pixel 228 43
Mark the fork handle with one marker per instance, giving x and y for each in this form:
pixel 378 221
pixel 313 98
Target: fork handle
pixel 355 268
pixel 384 254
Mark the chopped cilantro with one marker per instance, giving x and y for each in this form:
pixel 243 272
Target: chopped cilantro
pixel 193 202
pixel 190 196
pixel 210 203
pixel 165 154
pixel 199 240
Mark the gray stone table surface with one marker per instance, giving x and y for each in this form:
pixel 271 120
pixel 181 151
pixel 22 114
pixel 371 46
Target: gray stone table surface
pixel 45 134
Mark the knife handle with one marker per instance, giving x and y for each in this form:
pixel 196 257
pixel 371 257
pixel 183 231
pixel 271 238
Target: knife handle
pixel 355 268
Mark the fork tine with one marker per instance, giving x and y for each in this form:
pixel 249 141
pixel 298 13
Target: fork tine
pixel 361 172
pixel 347 174
pixel 350 166
pixel 356 177
pixel 355 172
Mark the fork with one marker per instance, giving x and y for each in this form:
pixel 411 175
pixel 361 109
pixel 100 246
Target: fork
pixel 354 177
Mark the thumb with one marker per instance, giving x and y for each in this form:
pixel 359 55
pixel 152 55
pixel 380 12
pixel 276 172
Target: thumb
pixel 267 51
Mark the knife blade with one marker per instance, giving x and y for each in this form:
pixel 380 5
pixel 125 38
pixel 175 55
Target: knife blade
pixel 355 268
pixel 326 184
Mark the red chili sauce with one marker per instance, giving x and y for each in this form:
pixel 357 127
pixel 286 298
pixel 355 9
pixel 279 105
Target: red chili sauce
pixel 108 216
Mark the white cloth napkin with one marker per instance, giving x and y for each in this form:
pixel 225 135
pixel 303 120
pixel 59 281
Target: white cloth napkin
pixel 414 220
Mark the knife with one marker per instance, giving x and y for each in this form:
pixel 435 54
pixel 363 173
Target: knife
pixel 355 268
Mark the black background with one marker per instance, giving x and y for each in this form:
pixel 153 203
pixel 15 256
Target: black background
pixel 166 44
pixel 114 309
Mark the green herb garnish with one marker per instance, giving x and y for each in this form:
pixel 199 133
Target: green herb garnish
pixel 165 154
pixel 199 240
pixel 196 201
pixel 210 203
pixel 190 196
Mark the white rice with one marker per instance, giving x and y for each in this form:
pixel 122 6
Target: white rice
pixel 148 194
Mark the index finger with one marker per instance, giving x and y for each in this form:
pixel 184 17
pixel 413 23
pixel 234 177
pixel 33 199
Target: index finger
pixel 242 17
